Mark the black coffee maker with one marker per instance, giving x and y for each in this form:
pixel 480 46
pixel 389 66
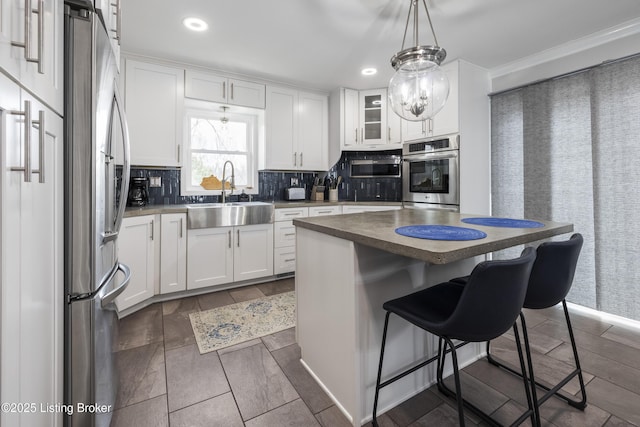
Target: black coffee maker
pixel 138 192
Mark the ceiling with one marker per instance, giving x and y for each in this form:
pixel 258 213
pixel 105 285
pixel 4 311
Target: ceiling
pixel 323 44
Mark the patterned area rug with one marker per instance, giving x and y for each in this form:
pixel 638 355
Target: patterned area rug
pixel 232 324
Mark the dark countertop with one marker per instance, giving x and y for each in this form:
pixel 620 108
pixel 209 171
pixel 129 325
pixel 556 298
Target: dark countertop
pixel 166 209
pixel 377 229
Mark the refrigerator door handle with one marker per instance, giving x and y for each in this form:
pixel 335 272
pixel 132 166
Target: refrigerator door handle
pixel 112 295
pixel 126 173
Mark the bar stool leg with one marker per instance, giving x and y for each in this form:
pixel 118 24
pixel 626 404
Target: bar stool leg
pixel 456 377
pixel 579 404
pixel 529 383
pixel 375 399
pixel 583 402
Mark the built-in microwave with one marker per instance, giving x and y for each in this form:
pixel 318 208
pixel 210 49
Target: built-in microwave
pixel 431 172
pixel 387 168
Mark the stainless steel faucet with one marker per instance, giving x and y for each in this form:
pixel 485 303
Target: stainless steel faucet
pixel 224 180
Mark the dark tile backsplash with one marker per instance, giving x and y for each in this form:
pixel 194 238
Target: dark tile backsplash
pixel 273 183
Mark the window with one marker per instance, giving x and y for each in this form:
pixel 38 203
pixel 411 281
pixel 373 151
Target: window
pixel 214 135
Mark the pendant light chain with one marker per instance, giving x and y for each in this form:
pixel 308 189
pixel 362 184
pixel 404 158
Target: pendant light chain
pixel 435 39
pixel 414 7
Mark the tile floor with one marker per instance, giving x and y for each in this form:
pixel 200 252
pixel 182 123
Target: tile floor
pixel 164 381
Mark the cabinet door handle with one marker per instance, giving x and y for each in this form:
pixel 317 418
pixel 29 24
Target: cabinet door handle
pixel 117 13
pixel 181 228
pixel 41 139
pixel 26 45
pixel 229 239
pixel 301 159
pixel 178 148
pixel 430 125
pixel 231 90
pixel 224 90
pixel 152 227
pixel 238 236
pixel 295 159
pixel 289 234
pixel 389 134
pixel 26 168
pixel 356 129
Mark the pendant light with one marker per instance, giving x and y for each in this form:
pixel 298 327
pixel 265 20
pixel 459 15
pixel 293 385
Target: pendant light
pixel 419 88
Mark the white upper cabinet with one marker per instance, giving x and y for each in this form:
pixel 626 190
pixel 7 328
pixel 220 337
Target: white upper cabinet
pixel 313 128
pixel 154 100
pixel 111 11
pixel 296 130
pixel 447 120
pixel 214 88
pixel 366 121
pixel 31 47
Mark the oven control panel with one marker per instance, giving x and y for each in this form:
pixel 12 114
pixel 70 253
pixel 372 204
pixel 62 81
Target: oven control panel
pixel 436 144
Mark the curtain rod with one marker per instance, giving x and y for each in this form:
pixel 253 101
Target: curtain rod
pixel 568 74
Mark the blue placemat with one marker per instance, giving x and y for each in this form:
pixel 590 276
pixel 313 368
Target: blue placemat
pixel 441 232
pixel 503 222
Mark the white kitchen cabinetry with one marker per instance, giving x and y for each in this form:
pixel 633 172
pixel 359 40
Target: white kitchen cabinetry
pixel 209 257
pixel 154 102
pixel 325 210
pixel 447 120
pixel 138 247
pixel 222 255
pixel 284 255
pixel 348 209
pixel 37 63
pixel 253 252
pixel 296 130
pixel 111 11
pixel 366 121
pixel 173 253
pixel 31 254
pixel 214 88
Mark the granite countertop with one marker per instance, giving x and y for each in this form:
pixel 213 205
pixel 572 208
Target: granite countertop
pixel 377 229
pixel 166 209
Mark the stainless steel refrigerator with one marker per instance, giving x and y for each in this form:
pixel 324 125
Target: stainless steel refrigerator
pixel 96 150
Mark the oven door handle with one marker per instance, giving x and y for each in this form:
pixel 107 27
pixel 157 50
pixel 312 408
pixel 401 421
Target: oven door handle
pixel 453 154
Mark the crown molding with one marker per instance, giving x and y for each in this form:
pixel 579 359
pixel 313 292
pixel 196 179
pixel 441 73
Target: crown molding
pixel 599 38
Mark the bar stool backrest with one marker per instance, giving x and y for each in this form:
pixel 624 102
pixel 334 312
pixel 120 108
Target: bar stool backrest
pixel 492 299
pixel 552 272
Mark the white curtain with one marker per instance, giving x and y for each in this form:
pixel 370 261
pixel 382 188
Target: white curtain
pixel 568 150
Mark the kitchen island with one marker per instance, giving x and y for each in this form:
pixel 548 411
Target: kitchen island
pixel 347 266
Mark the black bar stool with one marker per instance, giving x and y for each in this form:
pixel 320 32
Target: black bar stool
pixel 481 310
pixel 549 283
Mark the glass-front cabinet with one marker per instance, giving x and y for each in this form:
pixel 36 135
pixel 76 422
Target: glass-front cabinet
pixel 373 116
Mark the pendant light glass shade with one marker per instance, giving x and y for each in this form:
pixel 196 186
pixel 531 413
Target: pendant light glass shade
pixel 419 88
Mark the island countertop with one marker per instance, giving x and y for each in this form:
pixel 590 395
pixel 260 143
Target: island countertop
pixel 377 229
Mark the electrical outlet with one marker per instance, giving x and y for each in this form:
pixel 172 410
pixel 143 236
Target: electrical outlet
pixel 294 181
pixel 155 181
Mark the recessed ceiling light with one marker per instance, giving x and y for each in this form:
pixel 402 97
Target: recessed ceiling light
pixel 368 71
pixel 195 24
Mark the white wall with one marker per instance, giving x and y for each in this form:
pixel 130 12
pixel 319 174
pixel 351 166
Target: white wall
pixel 614 43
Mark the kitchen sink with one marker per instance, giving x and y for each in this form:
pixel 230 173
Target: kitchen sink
pixel 207 215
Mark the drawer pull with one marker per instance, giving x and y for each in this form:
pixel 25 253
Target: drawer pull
pixel 289 260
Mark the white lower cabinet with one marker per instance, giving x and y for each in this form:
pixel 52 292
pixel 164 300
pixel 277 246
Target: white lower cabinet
pixel 173 253
pixel 284 252
pixel 325 210
pixel 253 252
pixel 209 257
pixel 139 248
pixel 222 255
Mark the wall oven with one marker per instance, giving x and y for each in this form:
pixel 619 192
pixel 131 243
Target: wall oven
pixel 431 173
